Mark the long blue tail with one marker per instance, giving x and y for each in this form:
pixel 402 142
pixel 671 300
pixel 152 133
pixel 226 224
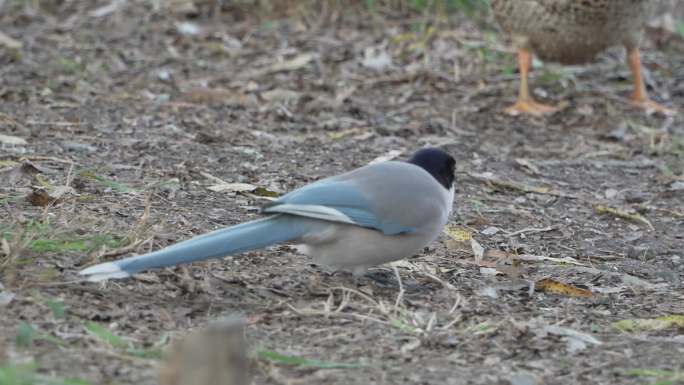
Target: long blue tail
pixel 219 243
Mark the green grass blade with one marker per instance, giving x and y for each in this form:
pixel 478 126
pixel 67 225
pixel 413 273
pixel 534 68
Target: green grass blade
pixel 106 336
pixel 25 335
pixel 57 308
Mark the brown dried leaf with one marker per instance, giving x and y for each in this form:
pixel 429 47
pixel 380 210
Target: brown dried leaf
pixel 550 285
pixel 218 96
pixel 41 197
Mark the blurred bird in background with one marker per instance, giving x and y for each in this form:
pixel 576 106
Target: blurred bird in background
pixel 574 32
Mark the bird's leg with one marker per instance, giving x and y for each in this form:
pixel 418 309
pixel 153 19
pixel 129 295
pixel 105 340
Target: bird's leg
pixel 639 95
pixel 525 103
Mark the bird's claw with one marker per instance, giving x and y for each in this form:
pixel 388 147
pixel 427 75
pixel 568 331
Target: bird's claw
pixel 530 107
pixel 650 106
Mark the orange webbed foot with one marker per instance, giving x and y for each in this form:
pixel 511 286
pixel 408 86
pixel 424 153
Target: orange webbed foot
pixel 530 107
pixel 650 106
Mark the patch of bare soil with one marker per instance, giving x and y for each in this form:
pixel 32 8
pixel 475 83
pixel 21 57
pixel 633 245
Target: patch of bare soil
pixel 117 117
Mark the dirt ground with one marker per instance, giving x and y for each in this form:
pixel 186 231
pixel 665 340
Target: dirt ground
pixel 118 117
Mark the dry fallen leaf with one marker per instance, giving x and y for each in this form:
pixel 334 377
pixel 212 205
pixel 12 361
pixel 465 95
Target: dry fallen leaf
pixel 107 9
pixel 243 188
pixel 344 133
pixel 12 140
pixel 478 250
pixel 641 324
pixel 389 156
pixel 232 187
pixel 459 237
pixel 9 42
pixel 280 95
pixel 6 297
pixel 602 209
pixel 411 345
pixel 458 234
pixel 531 258
pixel 180 7
pixel 496 182
pixel 295 63
pixel 376 58
pixel 404 264
pixel 219 96
pixel 264 192
pixel 490 271
pixel 491 230
pixel 576 341
pixel 41 197
pixel 5 247
pixel 555 287
pixel 528 165
pixel 188 28
pixel 60 191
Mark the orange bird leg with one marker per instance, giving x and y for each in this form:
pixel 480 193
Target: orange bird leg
pixel 525 104
pixel 639 95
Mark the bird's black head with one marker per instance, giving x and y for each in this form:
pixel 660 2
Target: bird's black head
pixel 438 163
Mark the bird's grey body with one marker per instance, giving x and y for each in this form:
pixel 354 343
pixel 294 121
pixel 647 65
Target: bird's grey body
pixel 372 215
pixel 408 196
pixel 355 249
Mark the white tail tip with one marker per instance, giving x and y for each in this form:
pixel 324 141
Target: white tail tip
pixel 107 270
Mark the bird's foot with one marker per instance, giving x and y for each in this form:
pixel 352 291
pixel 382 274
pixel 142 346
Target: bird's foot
pixel 650 106
pixel 530 107
pixel 384 279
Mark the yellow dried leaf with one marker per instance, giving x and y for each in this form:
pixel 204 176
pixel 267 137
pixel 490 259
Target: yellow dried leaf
pixel 555 287
pixel 351 131
pixel 264 192
pixel 660 323
pixel 43 182
pixel 602 209
pixel 458 234
pixel 402 37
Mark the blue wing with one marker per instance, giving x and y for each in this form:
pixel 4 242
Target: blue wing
pixel 335 201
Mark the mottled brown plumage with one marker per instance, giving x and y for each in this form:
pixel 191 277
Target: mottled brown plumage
pixel 573 32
